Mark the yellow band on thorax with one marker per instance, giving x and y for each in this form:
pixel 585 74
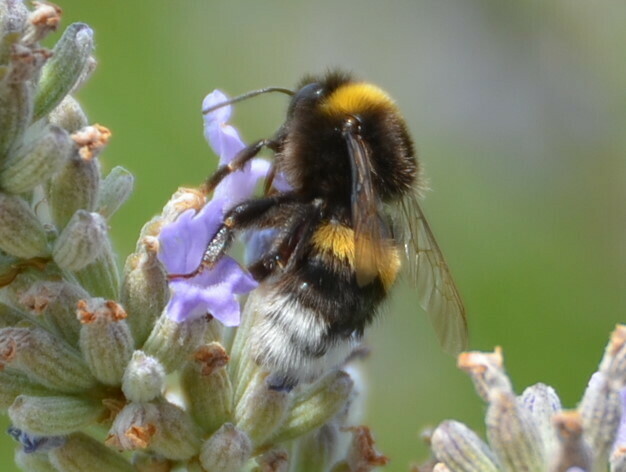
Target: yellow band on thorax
pixel 355 98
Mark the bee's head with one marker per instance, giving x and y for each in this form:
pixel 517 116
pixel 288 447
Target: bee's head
pixel 326 111
pixel 312 91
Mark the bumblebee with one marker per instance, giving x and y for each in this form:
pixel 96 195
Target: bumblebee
pixel 340 234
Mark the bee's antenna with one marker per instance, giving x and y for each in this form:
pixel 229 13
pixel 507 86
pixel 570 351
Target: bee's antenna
pixel 254 93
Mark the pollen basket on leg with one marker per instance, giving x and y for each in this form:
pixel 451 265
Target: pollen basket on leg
pixel 388 271
pixel 355 98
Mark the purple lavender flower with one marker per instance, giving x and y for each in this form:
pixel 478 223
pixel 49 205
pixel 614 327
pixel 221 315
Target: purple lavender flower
pixel 31 443
pixel 182 243
pixel 225 141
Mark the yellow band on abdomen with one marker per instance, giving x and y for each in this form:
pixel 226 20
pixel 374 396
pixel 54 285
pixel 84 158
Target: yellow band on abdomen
pixel 338 240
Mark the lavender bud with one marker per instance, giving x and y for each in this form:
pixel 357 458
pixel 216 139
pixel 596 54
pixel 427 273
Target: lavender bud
pixel 600 409
pixel 114 191
pixel 33 462
pixel 91 140
pixel 151 228
pixel 36 163
pixel 13 16
pixel 55 303
pixel 177 437
pixel 90 67
pixel 144 378
pixel 55 415
pixel 105 339
pixel 486 371
pixel 81 453
pixel 74 188
pixel 25 63
pixel 316 450
pixel 512 433
pixel 461 449
pixel 134 427
pixel 61 73
pixel 22 274
pixel 16 109
pixel 182 200
pixel 614 361
pixel 44 359
pixel 163 427
pixel 69 115
pixel 21 233
pixel 316 405
pixel 101 277
pixel 242 364
pixel 14 383
pixel 81 241
pixel 261 410
pixel 41 22
pixel 573 450
pixel 144 290
pixel 543 402
pixel 227 450
pixel 207 386
pixel 173 342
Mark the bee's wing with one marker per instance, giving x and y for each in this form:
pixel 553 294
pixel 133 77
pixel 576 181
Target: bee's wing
pixel 429 272
pixel 369 250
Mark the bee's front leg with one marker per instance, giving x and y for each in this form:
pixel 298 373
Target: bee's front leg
pixel 254 213
pixel 239 161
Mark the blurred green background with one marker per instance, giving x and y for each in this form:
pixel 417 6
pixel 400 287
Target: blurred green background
pixel 518 110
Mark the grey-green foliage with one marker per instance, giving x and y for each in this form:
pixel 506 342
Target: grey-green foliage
pixel 531 432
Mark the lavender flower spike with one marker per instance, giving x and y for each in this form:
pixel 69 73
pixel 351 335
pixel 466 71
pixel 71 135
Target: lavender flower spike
pixel 182 243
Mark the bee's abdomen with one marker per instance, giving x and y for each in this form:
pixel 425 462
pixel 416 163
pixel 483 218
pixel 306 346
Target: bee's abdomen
pixel 325 281
pixel 314 312
pixel 333 243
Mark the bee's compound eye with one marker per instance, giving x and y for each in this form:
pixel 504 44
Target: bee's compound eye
pixel 310 93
